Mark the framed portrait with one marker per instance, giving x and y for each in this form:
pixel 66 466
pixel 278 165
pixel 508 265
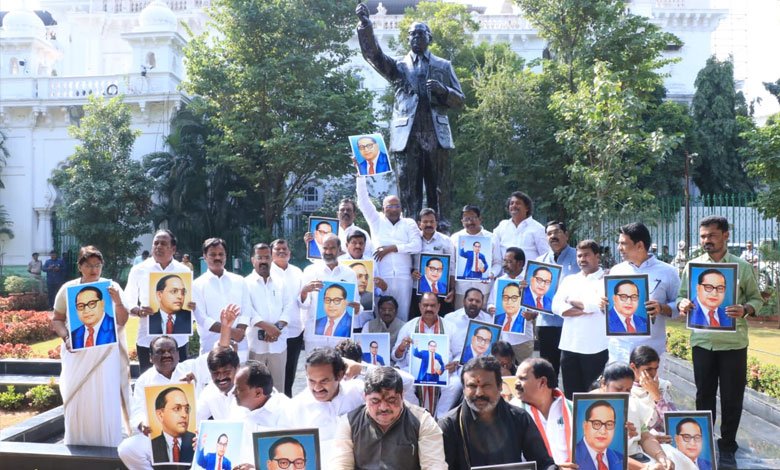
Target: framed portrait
pixel 371 154
pixel 508 309
pixel 334 315
pixel 292 449
pixel 542 279
pixel 626 312
pixel 219 445
pixel 600 426
pixel 474 257
pixel 429 354
pixel 508 466
pixel 169 294
pixel 508 390
pixel 691 433
pixel 435 271
pixel 480 337
pixel 90 316
pixel 364 270
pixel 170 408
pixel 320 227
pixel 375 346
pixel 712 287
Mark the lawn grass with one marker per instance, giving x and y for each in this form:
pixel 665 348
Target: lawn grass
pixel 764 343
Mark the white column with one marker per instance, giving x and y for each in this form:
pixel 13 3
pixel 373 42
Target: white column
pixel 43 240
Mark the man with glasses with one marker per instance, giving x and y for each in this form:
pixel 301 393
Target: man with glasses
pixel 286 453
pixel 409 437
pixel 541 280
pixel 337 321
pixel 387 321
pixel 472 310
pixel 374 160
pixel 688 440
pixel 598 429
pixel 710 294
pixel 625 300
pixel 720 360
pixel 431 281
pixel 480 343
pixel 90 308
pixel 433 242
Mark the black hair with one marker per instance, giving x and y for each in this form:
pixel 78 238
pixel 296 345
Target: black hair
pixel 598 404
pixel 317 227
pixel 474 289
pixel 590 245
pixel 157 339
pixel 428 211
pixel 529 204
pixel 433 258
pixel 212 242
pixel 98 292
pixel 486 363
pixel 637 232
pixel 282 441
pixel 222 356
pixel 518 253
pixel 503 349
pixel 707 272
pixel 511 284
pixel 387 298
pixel 543 368
pixel 482 327
pixel 161 283
pixel 356 234
pixel 685 421
pixel 559 223
pixel 337 286
pixel 623 283
pixel 259 376
pixel 643 355
pixel 543 268
pixel 167 232
pixel 221 436
pixel 721 222
pixel 617 371
pixel 350 350
pixel 471 208
pixel 279 241
pixel 159 402
pixel 260 246
pixel 373 343
pixel 383 378
pixel 325 355
pixel 347 200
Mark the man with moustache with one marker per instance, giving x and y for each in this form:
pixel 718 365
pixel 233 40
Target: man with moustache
pixel 433 242
pixel 471 219
pixel 519 230
pixel 549 327
pixel 174 444
pixel 387 322
pixel 216 399
pixel 688 439
pixel 212 291
pixel 272 304
pixel 486 430
pixel 513 318
pixel 356 251
pixel 396 240
pixel 471 310
pixel 387 432
pixel 346 215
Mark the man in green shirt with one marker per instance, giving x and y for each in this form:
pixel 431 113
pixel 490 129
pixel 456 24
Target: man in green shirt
pixel 721 357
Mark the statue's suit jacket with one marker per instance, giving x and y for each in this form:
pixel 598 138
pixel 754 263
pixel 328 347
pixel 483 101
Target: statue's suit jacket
pixel 400 72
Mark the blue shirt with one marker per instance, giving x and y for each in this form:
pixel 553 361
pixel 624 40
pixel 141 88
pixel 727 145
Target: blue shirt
pixel 568 261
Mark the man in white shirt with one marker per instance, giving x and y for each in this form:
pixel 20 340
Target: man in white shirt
pixel 663 284
pixel 395 239
pixel 325 269
pixel 520 230
pixel 137 292
pixel 215 289
pixel 346 214
pixel 471 219
pixel 216 399
pixel 291 277
pixel 272 304
pixel 136 451
pixel 434 242
pixel 583 336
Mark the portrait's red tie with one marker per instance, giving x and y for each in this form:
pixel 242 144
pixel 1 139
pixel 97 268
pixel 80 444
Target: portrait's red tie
pixel 434 289
pixel 373 359
pixel 713 319
pixel 600 458
pixel 175 450
pixel 219 464
pixel 629 327
pixel 370 167
pixel 90 339
pixel 169 325
pixel 507 324
pixel 329 329
pixel 539 303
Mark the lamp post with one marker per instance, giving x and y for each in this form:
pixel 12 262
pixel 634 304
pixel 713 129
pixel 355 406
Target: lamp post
pixel 688 162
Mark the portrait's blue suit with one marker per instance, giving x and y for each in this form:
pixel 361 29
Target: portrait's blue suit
pixel 379 359
pixel 314 250
pixel 209 461
pixel 616 326
pixel 703 464
pixel 105 334
pixel 468 273
pixel 528 300
pixel 614 458
pixel 424 375
pixel 382 164
pixel 425 287
pixel 517 327
pixel 701 318
pixel 468 354
pixel 342 329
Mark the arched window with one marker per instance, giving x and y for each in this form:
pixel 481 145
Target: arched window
pixel 311 194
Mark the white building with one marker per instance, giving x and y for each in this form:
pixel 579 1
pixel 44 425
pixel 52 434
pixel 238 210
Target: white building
pixel 134 47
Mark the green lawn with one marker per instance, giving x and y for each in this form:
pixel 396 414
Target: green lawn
pixel 764 342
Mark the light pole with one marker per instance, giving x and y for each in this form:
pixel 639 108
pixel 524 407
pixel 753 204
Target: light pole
pixel 688 162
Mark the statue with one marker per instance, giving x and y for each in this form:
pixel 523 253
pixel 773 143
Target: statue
pixel 425 89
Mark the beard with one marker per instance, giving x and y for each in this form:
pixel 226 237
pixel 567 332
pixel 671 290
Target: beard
pixel 486 409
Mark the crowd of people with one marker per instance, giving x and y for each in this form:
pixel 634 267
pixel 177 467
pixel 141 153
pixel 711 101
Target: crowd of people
pixel 253 330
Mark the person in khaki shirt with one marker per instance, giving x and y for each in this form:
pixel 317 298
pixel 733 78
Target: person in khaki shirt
pixel 388 430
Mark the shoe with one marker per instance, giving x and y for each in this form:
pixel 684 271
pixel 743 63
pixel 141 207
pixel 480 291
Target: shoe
pixel 727 460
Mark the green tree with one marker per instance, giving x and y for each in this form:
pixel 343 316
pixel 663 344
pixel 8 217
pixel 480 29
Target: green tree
pixel 721 116
pixel 105 193
pixel 609 150
pixel 278 92
pixel 763 152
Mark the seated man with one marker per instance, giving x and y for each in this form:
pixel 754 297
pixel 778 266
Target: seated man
pixel 484 429
pixel 409 436
pixel 216 399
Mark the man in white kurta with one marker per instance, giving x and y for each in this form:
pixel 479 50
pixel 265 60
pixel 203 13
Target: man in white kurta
pixel 291 277
pixel 471 219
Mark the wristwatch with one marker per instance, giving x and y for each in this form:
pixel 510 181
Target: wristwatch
pixel 745 308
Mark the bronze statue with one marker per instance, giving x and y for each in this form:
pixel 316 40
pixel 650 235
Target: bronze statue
pixel 425 89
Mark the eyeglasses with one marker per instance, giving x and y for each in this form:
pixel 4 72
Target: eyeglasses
pixel 468 220
pixel 596 424
pixel 333 300
pixel 510 298
pixel 434 270
pixel 93 266
pixel 709 288
pixel 91 305
pixel 688 437
pixel 481 340
pixel 324 232
pixel 393 206
pixel 366 147
pixel 177 291
pixel 285 463
pixel 542 281
pixel 625 297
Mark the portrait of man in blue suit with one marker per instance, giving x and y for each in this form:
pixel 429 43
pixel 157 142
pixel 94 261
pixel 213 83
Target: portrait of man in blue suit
pixel 689 440
pixel 432 364
pixel 97 326
pixel 481 341
pixel 625 302
pixel 598 431
pixel 710 294
pixel 171 293
pixel 373 357
pixel 215 460
pixel 374 160
pixel 336 321
pixel 320 230
pixel 434 268
pixel 476 263
pixel 510 309
pixel 539 284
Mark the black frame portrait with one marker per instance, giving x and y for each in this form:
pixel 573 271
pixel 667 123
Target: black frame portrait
pixel 641 281
pixel 581 400
pixel 670 424
pixel 313 222
pixel 470 330
pixel 445 275
pixel 730 272
pixel 276 435
pixel 555 280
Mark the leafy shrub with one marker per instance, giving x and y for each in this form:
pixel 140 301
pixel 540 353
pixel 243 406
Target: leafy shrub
pixel 42 396
pixel 25 326
pixel 18 284
pixel 10 400
pixel 764 378
pixel 678 344
pixel 55 353
pixel 28 301
pixel 15 351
